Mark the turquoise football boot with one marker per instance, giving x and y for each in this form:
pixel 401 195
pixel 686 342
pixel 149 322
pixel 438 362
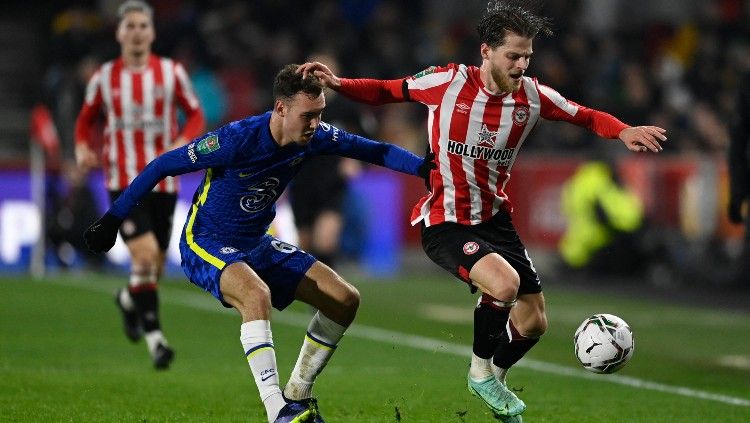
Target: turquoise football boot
pixel 497 396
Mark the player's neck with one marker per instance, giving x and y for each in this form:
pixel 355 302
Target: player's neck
pixel 136 61
pixel 277 133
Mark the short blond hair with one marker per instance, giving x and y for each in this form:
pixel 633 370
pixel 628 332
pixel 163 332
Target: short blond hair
pixel 135 6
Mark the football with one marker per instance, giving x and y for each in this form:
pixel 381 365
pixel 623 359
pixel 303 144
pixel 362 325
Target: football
pixel 603 343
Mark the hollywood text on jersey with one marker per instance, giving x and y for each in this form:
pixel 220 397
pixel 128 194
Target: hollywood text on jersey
pixel 501 155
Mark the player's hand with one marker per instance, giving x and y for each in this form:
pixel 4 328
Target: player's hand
pixel 426 168
pixel 101 236
pixel 735 211
pixel 327 78
pixel 85 156
pixel 643 138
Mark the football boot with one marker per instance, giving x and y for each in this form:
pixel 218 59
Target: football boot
pixel 497 396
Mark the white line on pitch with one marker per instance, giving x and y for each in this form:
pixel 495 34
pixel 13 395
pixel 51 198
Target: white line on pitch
pixel 435 345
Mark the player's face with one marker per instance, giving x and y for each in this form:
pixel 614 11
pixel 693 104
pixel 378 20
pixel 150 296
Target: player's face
pixel 136 33
pixel 302 116
pixel 509 61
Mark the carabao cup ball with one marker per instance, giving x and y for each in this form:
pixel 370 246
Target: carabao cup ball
pixel 603 343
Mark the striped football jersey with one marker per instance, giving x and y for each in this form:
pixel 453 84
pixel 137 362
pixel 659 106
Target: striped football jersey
pixel 140 114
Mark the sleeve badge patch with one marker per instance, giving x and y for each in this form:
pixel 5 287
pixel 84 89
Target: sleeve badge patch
pixel 425 72
pixel 208 145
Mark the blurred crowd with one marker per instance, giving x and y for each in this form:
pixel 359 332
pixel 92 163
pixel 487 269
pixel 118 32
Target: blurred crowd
pixel 670 63
pixel 674 64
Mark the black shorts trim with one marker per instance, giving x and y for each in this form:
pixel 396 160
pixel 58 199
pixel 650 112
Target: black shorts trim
pixel 154 213
pixel 457 248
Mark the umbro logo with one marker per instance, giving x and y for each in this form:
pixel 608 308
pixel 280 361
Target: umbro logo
pixel 462 108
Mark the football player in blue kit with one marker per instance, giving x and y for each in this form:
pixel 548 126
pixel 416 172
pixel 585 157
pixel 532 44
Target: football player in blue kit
pixel 224 246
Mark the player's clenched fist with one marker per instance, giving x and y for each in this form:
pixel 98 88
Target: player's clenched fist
pixel 101 236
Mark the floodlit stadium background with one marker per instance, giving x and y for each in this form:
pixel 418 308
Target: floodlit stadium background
pixel 674 64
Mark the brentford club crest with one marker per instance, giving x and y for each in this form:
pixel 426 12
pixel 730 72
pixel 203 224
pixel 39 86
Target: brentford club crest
pixel 520 115
pixel 128 227
pixel 471 248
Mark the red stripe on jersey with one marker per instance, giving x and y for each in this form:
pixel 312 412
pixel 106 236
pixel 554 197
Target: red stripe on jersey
pixel 520 118
pixel 492 113
pixel 116 87
pixel 520 109
pixel 158 95
pixel 437 210
pixel 138 106
pixel 459 126
pixel 155 64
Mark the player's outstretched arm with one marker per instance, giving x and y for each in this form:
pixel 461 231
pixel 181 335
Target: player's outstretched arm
pixel 342 143
pixel 364 90
pixel 643 138
pixel 101 235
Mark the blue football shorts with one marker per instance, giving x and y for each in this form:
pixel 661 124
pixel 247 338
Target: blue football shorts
pixel 280 265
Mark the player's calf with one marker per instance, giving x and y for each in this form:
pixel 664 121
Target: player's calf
pixel 144 291
pixel 131 324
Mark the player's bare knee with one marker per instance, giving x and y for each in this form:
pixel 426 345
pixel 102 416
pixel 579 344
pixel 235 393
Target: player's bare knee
pixel 506 289
pixel 251 302
pixel 537 328
pixel 351 299
pixel 534 327
pixel 512 279
pixel 143 272
pixel 145 261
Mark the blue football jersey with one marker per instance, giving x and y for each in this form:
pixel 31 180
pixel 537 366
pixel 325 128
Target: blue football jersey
pixel 246 172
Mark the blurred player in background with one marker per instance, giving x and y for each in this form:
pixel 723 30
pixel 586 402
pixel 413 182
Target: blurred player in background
pixel 739 173
pixel 479 118
pixel 139 93
pixel 225 248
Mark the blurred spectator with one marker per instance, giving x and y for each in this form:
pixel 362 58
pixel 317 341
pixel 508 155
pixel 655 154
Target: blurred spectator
pixel 739 171
pixel 676 64
pixel 677 61
pixel 604 221
pixel 71 209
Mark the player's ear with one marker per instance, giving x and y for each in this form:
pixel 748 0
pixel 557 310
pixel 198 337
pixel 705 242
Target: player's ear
pixel 279 107
pixel 118 37
pixel 484 50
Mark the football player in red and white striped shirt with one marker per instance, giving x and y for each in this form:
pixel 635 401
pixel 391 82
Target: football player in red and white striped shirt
pixel 478 119
pixel 138 94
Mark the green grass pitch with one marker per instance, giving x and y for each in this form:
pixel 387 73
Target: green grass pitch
pixel 63 357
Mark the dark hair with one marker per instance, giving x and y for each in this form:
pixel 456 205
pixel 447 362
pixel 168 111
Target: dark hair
pixel 514 16
pixel 289 82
